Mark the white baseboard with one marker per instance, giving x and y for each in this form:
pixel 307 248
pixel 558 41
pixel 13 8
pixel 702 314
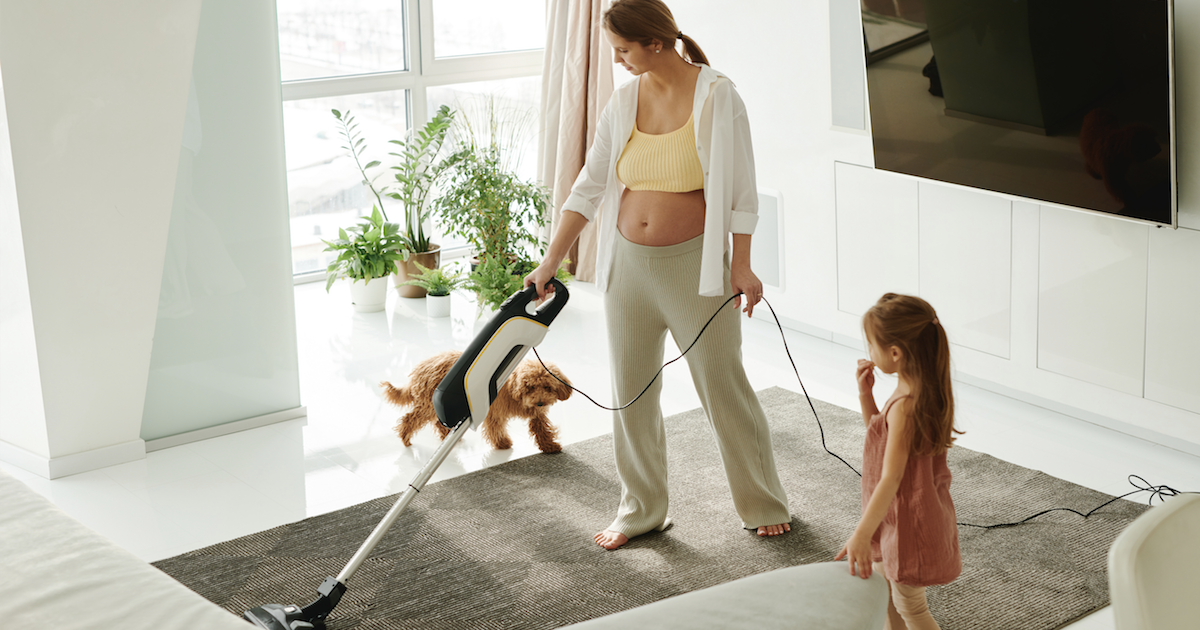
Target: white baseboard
pixel 133 450
pixel 225 429
pixel 55 467
pixel 1149 435
pixel 799 326
pixel 23 459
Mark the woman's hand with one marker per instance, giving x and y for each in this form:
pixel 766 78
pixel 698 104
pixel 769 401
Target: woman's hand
pixel 865 375
pixel 743 280
pixel 540 277
pixel 857 551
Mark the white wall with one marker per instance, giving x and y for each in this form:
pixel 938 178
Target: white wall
pixel 1017 329
pixel 94 98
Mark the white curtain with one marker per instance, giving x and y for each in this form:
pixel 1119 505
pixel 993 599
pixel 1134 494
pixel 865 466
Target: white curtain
pixel 577 81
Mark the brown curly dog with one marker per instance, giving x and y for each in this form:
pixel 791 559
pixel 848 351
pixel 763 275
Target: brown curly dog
pixel 526 394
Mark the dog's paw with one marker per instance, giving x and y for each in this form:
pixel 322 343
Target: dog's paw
pixel 552 447
pixel 502 445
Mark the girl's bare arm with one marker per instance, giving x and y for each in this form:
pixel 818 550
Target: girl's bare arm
pixel 865 375
pixel 895 458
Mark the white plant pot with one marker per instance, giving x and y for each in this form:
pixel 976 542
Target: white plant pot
pixel 369 296
pixel 437 305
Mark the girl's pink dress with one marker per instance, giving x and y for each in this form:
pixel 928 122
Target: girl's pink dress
pixel 918 539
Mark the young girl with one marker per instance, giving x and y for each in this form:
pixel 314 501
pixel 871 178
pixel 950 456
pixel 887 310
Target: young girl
pixel 908 519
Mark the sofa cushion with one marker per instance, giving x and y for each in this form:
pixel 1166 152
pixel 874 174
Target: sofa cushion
pixel 57 573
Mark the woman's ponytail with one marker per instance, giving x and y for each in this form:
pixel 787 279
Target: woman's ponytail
pixel 691 50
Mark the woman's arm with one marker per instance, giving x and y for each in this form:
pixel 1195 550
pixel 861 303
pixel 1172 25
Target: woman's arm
pixel 580 207
pixel 744 193
pixel 741 278
pixel 895 457
pixel 743 180
pixel 569 227
pixel 592 181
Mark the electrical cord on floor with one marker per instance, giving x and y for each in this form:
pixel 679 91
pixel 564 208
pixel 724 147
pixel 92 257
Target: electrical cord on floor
pixel 1160 491
pixel 1155 491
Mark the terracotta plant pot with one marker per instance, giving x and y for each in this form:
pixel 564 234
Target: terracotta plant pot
pixel 430 260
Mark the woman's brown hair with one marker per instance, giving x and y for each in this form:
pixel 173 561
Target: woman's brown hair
pixel 643 21
pixel 911 324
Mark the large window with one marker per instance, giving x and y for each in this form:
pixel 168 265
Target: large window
pixel 392 63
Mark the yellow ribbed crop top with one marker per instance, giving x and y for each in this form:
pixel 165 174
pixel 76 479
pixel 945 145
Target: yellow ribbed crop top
pixel 666 162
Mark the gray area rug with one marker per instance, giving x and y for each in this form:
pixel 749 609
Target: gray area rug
pixel 510 546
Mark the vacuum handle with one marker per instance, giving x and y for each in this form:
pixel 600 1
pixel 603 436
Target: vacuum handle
pixel 518 302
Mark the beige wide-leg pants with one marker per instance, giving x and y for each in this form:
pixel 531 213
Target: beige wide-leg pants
pixel 652 290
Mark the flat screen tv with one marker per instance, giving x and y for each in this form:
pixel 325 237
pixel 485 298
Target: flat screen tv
pixel 1067 102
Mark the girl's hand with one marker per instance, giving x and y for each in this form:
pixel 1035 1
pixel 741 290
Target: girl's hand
pixel 743 280
pixel 858 551
pixel 865 375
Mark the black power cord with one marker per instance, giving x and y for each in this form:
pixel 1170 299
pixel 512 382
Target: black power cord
pixel 1160 491
pixel 1155 491
pixel 698 335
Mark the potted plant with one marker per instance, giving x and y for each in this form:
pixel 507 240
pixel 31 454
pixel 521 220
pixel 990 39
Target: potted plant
pixel 368 254
pixel 438 283
pixel 494 280
pixel 484 200
pixel 416 171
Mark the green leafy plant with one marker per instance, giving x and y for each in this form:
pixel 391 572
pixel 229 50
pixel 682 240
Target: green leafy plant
pixel 484 200
pixel 437 281
pixel 416 172
pixel 493 280
pixel 368 250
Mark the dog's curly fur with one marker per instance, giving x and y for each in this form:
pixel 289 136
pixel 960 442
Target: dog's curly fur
pixel 526 394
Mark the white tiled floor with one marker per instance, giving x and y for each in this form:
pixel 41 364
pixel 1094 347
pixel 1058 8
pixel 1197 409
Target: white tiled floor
pixel 344 453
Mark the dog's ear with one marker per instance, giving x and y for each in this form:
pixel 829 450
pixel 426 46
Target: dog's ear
pixel 561 391
pixel 522 380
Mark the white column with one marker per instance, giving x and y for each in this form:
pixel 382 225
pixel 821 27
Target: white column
pixel 94 97
pixel 22 418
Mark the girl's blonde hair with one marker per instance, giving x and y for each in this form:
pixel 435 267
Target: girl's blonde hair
pixel 642 21
pixel 911 324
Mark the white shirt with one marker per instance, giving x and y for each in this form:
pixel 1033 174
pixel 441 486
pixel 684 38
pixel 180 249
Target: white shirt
pixel 723 144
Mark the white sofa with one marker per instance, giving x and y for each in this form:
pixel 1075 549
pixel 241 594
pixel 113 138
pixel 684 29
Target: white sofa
pixel 1154 568
pixel 57 573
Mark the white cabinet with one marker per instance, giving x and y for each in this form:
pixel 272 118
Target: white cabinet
pixel 966 264
pixel 1173 319
pixel 876 236
pixel 1092 299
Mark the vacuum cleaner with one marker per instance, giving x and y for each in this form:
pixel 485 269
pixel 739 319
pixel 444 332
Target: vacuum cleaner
pixel 461 401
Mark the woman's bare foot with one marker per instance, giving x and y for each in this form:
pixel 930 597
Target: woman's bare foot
pixel 774 530
pixel 610 540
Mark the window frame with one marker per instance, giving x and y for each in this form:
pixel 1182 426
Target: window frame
pixel 424 72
